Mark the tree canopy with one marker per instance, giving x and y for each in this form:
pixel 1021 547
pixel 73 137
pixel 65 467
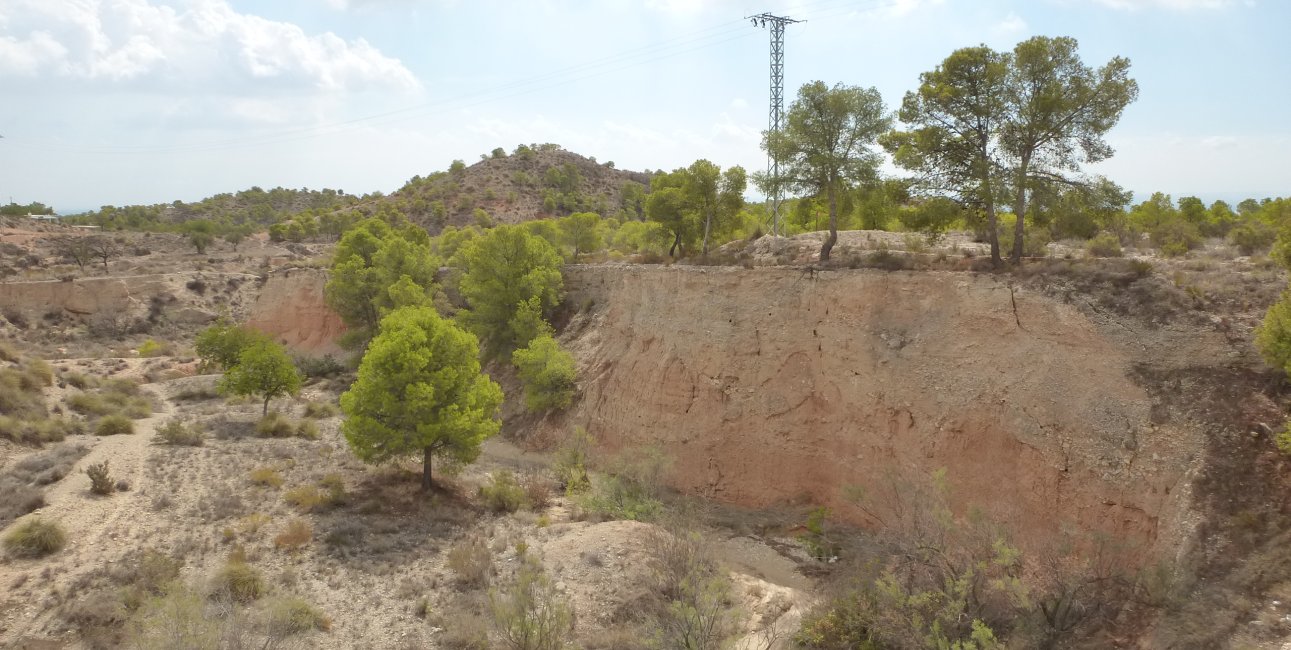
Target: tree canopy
pixel 263 368
pixel 825 145
pixel 377 268
pixel 511 282
pixel 987 124
pixel 420 390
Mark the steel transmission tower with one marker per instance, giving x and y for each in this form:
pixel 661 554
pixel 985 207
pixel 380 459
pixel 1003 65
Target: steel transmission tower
pixel 776 119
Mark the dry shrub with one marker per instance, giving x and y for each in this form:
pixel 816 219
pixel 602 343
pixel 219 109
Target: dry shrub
pixel 320 410
pixel 266 477
pixel 100 478
pixel 295 535
pixel 35 538
pixel 537 491
pixel 463 629
pixel 503 493
pixel 307 429
pixel 290 616
pixel 177 432
pixel 471 561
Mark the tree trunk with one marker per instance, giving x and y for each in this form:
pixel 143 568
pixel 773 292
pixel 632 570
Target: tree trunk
pixel 266 406
pixel 708 220
pixel 833 226
pixel 676 243
pixel 992 225
pixel 1020 209
pixel 425 469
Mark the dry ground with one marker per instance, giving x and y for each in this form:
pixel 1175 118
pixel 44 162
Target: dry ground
pixel 376 560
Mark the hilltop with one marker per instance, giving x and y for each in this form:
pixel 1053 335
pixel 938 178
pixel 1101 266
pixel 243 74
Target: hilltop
pixel 532 182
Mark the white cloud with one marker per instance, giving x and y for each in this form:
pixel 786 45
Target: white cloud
pixel 1219 142
pixel 1012 25
pixel 1174 5
pixel 200 42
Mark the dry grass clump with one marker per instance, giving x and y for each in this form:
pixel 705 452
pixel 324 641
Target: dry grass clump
pixel 35 538
pixel 294 536
pixel 277 425
pixel 237 581
pixel 472 562
pixel 305 498
pixel 320 410
pixel 289 616
pixel 463 628
pixel 113 425
pixel 266 477
pixel 179 433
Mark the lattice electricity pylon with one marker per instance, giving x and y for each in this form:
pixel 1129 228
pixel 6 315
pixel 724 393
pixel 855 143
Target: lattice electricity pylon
pixel 776 119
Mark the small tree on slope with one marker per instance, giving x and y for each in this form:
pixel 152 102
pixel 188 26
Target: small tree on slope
pixel 420 390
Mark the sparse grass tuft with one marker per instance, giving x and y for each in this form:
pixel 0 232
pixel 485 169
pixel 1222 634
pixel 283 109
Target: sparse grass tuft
pixel 295 535
pixel 35 538
pixel 266 477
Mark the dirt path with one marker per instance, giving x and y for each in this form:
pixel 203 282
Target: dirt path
pixel 97 527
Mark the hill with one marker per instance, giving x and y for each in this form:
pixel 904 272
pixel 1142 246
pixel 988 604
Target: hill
pixel 255 205
pixel 533 182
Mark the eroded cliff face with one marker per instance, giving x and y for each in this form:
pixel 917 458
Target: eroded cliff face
pixel 774 386
pixel 291 309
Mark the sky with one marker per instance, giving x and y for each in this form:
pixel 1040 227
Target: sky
pixel 115 102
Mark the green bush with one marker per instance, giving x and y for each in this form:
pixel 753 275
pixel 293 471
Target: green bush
pixel 547 372
pixel 1035 240
pixel 112 425
pixel 154 348
pixel 571 462
pixel 1104 245
pixel 1252 236
pixel 35 537
pixel 503 493
pixel 100 478
pixel 315 367
pixel 1175 237
pixel 176 432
